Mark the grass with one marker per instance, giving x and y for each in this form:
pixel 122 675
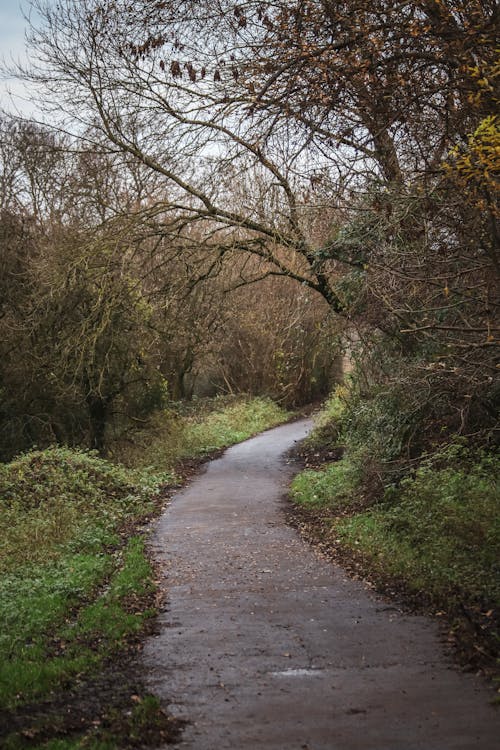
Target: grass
pixel 433 535
pixel 73 638
pixel 439 530
pixel 198 429
pixel 232 425
pixel 73 581
pixel 76 584
pixel 334 486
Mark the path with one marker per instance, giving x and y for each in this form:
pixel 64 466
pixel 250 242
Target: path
pixel 265 646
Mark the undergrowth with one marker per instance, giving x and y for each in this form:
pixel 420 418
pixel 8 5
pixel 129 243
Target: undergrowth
pixel 334 486
pixel 76 585
pixel 433 527
pixel 439 529
pixel 62 519
pixel 197 429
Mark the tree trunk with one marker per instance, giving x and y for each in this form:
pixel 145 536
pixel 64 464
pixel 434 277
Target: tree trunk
pixel 98 416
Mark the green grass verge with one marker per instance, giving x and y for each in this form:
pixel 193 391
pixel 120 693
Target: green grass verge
pixel 334 486
pixel 75 580
pixel 62 514
pixel 197 429
pixel 233 424
pixel 46 653
pixel 438 531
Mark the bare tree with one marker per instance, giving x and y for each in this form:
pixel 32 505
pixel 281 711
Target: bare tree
pixel 188 120
pixel 263 121
pixel 276 96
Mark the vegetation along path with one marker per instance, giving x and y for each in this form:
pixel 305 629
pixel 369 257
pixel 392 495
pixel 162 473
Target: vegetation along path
pixel 265 645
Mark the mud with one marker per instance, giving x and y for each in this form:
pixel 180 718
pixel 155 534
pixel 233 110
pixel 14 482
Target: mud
pixel 265 645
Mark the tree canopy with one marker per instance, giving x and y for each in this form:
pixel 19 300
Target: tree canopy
pixel 350 147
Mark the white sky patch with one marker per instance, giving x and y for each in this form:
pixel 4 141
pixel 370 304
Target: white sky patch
pixel 14 97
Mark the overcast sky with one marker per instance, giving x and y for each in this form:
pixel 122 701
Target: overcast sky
pixel 12 28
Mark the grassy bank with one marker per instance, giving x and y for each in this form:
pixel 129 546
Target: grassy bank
pixel 196 429
pixel 432 534
pixel 77 589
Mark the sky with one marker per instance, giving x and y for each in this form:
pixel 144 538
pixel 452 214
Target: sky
pixel 11 25
pixel 12 28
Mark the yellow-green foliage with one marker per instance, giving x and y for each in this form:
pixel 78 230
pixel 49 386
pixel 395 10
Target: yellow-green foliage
pixel 475 167
pixel 328 421
pixel 197 429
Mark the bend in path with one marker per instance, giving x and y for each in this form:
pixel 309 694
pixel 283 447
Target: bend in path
pixel 266 646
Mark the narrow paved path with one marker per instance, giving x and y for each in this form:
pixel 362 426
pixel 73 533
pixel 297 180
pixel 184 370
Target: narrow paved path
pixel 265 646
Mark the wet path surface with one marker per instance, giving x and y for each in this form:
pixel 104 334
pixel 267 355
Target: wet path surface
pixel 265 646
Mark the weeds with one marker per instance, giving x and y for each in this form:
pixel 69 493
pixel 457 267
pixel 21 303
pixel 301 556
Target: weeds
pixel 439 529
pixel 428 527
pixel 232 425
pixel 198 429
pixel 335 487
pixel 76 585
